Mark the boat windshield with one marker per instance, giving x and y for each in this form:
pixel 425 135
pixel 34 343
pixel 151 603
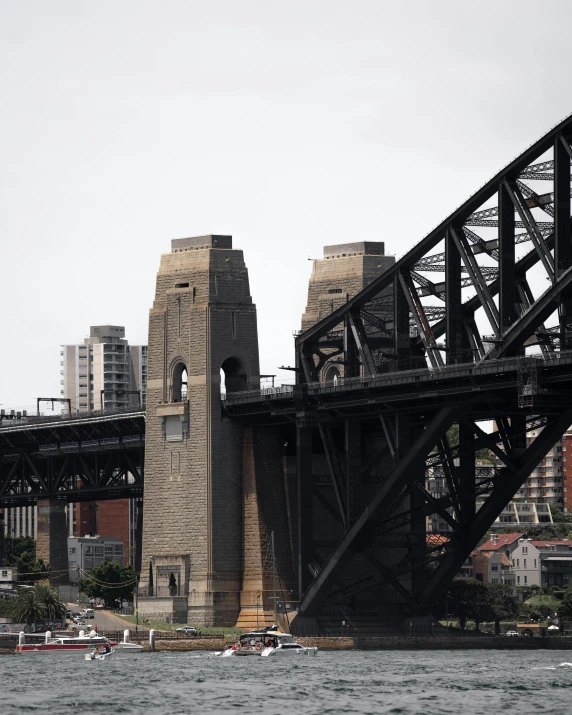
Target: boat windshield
pixel 258 640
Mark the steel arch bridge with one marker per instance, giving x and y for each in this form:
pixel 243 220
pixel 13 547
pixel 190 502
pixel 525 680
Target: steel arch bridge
pixel 490 287
pixel 473 327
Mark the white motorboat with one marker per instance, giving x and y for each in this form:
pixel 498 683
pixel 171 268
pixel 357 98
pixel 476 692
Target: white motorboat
pixel 97 656
pixel 284 645
pixel 251 643
pixel 266 643
pixel 126 648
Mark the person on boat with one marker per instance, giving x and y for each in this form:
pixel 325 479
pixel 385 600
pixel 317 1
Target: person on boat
pixel 107 648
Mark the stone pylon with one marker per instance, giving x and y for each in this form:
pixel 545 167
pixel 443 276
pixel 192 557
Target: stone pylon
pixel 202 325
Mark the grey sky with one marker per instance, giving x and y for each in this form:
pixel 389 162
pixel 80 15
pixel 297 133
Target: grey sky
pixel 289 125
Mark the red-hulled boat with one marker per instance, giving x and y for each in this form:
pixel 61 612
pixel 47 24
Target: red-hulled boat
pixel 81 644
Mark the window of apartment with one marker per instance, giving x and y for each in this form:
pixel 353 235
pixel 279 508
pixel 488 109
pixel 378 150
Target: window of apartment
pixel 72 550
pixel 494 580
pixel 526 579
pixel 518 563
pixel 534 563
pixel 4 574
pixel 518 580
pixel 494 567
pixel 525 549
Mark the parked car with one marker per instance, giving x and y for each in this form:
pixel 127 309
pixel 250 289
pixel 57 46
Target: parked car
pixel 188 630
pixel 512 633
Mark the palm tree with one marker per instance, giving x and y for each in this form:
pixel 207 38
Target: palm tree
pixel 26 607
pixel 52 601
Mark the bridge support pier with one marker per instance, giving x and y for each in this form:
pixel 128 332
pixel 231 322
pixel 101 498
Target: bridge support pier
pixel 52 539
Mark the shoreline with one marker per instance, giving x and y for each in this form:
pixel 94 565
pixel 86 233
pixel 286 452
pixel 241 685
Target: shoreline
pixel 398 643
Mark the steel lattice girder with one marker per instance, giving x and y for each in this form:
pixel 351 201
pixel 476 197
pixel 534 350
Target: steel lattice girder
pixel 96 457
pixel 25 477
pixel 516 318
pixel 356 538
pixel 540 233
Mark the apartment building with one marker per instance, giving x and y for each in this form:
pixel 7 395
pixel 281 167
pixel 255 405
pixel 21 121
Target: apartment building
pixel 89 552
pixel 519 512
pixel 103 371
pixel 545 485
pixel 492 567
pixel 567 471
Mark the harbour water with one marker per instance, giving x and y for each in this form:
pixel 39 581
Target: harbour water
pixel 364 682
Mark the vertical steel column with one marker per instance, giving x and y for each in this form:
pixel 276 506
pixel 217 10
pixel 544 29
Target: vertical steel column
pixel 466 474
pixel 351 352
pixel 353 469
pixel 405 437
pixel 454 318
pixel 305 517
pixel 401 327
pixel 562 237
pixel 2 546
pixel 507 273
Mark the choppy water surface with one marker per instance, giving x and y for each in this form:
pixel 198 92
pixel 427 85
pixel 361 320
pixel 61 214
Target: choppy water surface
pixel 420 683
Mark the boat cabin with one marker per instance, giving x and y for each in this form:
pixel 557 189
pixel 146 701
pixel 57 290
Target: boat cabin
pixel 257 640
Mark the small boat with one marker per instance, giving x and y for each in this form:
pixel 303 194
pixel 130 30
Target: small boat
pixel 285 646
pixel 251 643
pixel 82 644
pixel 267 642
pixel 127 648
pixel 98 656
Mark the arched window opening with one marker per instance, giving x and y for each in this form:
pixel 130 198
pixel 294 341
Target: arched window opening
pixel 233 376
pixel 332 374
pixel 179 389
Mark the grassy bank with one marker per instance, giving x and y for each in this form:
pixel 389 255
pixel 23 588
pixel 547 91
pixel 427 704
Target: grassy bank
pixel 163 626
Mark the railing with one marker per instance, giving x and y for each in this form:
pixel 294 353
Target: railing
pixel 163 591
pixel 39 419
pixel 428 374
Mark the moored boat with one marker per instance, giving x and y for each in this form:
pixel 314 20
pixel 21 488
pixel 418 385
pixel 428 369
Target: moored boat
pixel 82 644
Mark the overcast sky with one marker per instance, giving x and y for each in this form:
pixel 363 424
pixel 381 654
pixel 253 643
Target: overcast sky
pixel 290 125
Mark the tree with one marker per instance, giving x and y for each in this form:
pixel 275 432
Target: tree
pixel 36 604
pixel 565 610
pixel 21 553
pixel 539 608
pixel 52 601
pixel 27 607
pixel 110 580
pixel 502 603
pixel 483 455
pixel 465 597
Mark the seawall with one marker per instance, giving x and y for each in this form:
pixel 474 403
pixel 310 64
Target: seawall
pixel 387 643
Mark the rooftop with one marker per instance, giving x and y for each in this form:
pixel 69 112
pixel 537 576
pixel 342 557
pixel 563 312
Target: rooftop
pixel 197 242
pixel 499 541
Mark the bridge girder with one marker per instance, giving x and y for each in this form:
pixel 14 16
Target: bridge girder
pixel 490 306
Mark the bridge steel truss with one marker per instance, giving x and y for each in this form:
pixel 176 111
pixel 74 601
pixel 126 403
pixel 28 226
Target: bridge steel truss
pixel 72 459
pixel 491 284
